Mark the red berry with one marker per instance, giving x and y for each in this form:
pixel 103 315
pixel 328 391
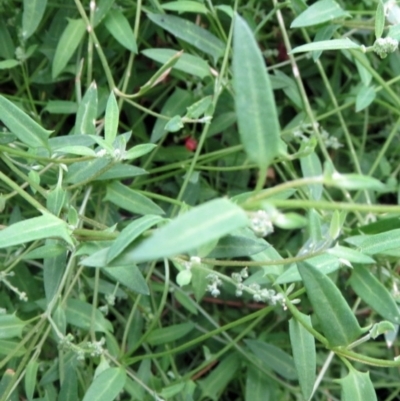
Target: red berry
pixel 190 144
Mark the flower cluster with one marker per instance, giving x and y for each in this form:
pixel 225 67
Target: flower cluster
pixel 215 282
pixel 384 46
pixel 93 349
pixel 261 224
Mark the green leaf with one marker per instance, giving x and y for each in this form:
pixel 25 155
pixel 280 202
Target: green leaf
pixel 111 119
pixel 10 326
pixel 46 226
pixel 274 358
pixel 337 320
pixel 117 24
pixel 379 19
pixel 69 386
pixel 102 8
pixel 175 124
pixel 107 385
pixel 130 233
pixel 129 276
pixel 87 111
pixel 233 246
pixel 202 224
pixel 30 378
pixel 6 346
pixel 139 151
pixel 175 105
pixel 324 33
pixel 374 293
pixel 378 243
pixel 7 64
pixel 353 181
pixel 311 167
pixel 61 107
pixel 213 385
pixel 22 126
pixel 84 171
pixel 187 62
pixel 258 387
pixel 254 100
pixel 185 6
pixel 365 97
pixel 131 200
pixel 304 355
pixel 191 33
pixel 169 334
pixel 332 44
pixel 350 255
pixel 318 13
pixel 56 200
pixel 199 108
pixel 67 44
pixel 31 16
pixel 79 314
pixel 357 386
pixel 120 171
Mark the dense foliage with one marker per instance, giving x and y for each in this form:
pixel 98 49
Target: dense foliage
pixel 199 200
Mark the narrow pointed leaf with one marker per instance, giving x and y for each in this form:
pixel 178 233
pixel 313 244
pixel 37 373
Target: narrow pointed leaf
pixel 333 44
pixel 165 335
pixel 10 326
pixel 79 314
pixel 20 124
pixel 31 16
pixel 379 19
pixel 191 33
pixel 199 226
pixel 107 385
pixel 374 293
pixel 185 6
pixel 337 320
pixel 30 378
pixel 45 226
pixel 274 358
pixel 365 97
pixel 377 243
pixel 117 24
pixel 318 13
pixel 139 151
pixel 111 119
pixel 254 100
pixel 102 8
pixel 357 386
pixel 131 200
pixel 67 44
pixel 304 354
pixel 130 233
pixel 129 276
pixel 87 111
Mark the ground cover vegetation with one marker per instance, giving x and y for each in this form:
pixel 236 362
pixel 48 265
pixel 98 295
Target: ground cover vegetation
pixel 199 200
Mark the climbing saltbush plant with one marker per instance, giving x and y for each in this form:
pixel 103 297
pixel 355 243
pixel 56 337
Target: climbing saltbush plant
pixel 199 200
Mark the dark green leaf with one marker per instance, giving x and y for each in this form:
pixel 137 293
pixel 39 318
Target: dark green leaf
pixel 374 293
pixel 119 27
pixel 31 16
pixel 337 320
pixel 129 276
pixel 198 37
pixel 131 200
pixel 304 354
pixel 255 105
pixel 168 334
pixel 202 224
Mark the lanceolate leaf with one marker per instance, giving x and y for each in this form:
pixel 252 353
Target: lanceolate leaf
pixel 107 385
pixel 333 44
pixel 318 13
pixel 45 226
pixel 304 355
pixel 191 33
pixel 258 125
pixel 111 119
pixel 10 326
pixel 32 15
pixel 131 200
pixel 20 124
pixel 374 293
pixel 130 233
pixel 337 320
pixel 357 386
pixel 119 27
pixel 86 115
pixel 199 226
pixel 68 43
